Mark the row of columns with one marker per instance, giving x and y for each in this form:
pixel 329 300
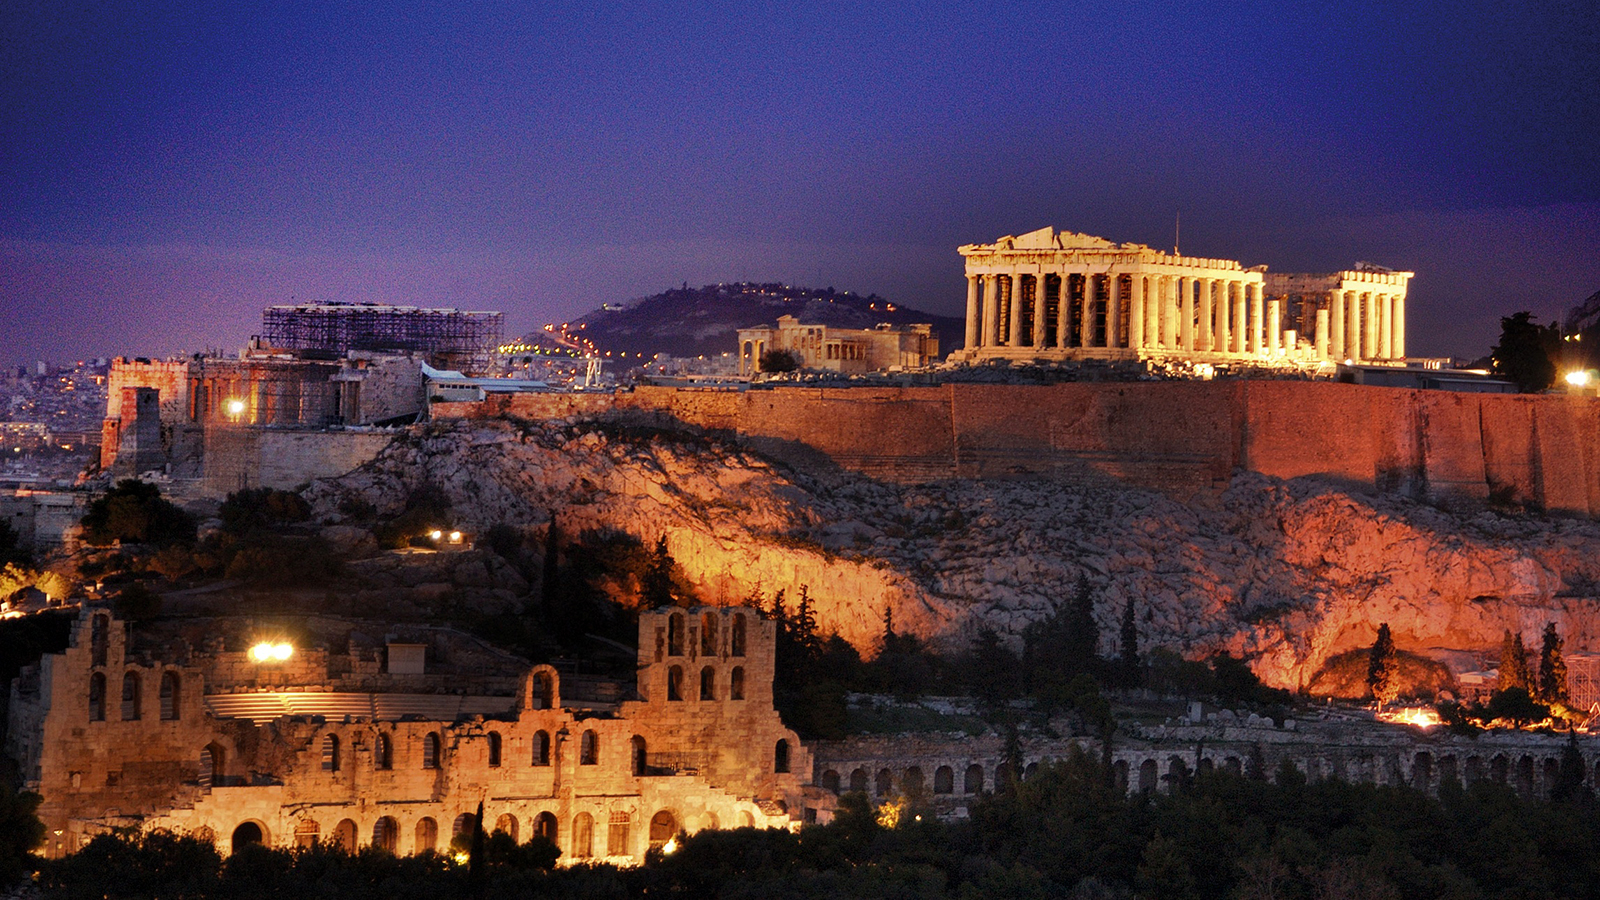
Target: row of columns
pixel 1178 313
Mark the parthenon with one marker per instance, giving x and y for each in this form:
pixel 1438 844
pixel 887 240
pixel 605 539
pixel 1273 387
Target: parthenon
pixel 1049 295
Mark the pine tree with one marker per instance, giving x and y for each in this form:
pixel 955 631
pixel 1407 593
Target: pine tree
pixel 1381 680
pixel 1513 664
pixel 1129 657
pixel 1552 669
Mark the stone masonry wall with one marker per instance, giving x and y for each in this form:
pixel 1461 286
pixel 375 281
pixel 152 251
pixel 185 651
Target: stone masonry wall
pixel 237 458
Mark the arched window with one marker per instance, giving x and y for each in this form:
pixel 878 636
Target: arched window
pixel 589 749
pixel 780 756
pixel 736 683
pixel 427 834
pixel 430 751
pixel 248 833
pixel 97 697
pixel 736 640
pixel 170 696
pixel 383 753
pixel 617 843
pixel 306 833
pixel 944 780
pixel 544 690
pixel 663 828
pixel 130 697
pixel 541 748
pixel 675 634
pixel 885 783
pixel 708 634
pixel 330 753
pixel 544 825
pixel 708 683
pixel 582 836
pixel 641 756
pixel 675 683
pixel 494 749
pixel 506 824
pixel 858 781
pixel 463 828
pixel 830 780
pixel 213 763
pixel 386 834
pixel 911 783
pixel 973 783
pixel 344 835
pixel 98 639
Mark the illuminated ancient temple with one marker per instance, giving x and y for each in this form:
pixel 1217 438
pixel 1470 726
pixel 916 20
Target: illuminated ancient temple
pixel 1055 296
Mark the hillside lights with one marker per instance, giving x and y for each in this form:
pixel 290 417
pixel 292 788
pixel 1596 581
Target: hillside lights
pixel 266 652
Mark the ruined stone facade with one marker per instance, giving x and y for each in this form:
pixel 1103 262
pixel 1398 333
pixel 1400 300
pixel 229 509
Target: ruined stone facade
pixel 396 744
pixel 839 349
pixel 1075 296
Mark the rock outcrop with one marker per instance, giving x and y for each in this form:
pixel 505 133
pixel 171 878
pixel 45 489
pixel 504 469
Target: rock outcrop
pixel 1286 573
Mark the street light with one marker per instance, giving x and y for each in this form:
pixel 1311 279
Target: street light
pixel 235 407
pixel 1578 378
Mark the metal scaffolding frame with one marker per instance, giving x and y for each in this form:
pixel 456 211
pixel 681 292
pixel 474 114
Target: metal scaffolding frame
pixel 467 338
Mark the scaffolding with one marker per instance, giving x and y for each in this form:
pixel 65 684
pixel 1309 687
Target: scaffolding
pixel 457 338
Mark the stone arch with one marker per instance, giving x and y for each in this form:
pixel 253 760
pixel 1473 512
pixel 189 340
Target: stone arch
pixel 858 780
pixel 1474 769
pixel 1500 768
pixel 97 697
pixel 1551 774
pixel 746 819
pixel 1177 772
pixel 1030 770
pixel 619 838
pixel 541 748
pixel 306 833
pixel 641 755
pixel 213 765
pixel 1119 775
pixel 1233 764
pixel 1206 766
pixel 248 832
pixel 736 638
pixel 386 834
pixel 675 683
pixel 1447 770
pixel 1422 770
pixel 884 783
pixel 830 780
pixel 736 683
pixel 589 748
pixel 675 634
pixel 708 634
pixel 431 755
pixel 507 823
pixel 582 836
pixel 383 753
pixel 427 835
pixel 1003 775
pixel 1147 776
pixel 780 756
pixel 1525 776
pixel 972 782
pixel 709 821
pixel 543 688
pixel 912 782
pixel 944 780
pixel 494 749
pixel 663 828
pixel 344 835
pixel 330 753
pixel 545 826
pixel 462 828
pixel 132 695
pixel 708 683
pixel 171 696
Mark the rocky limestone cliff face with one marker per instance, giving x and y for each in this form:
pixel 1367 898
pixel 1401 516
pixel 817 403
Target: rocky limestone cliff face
pixel 1286 573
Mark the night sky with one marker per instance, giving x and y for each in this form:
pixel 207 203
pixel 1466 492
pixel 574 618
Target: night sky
pixel 166 170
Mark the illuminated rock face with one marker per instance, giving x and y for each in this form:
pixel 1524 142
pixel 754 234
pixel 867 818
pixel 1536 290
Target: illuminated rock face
pixel 1285 572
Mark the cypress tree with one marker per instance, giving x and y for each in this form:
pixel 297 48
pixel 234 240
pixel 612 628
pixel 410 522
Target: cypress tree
pixel 1552 668
pixel 550 586
pixel 1130 646
pixel 1082 635
pixel 1381 673
pixel 657 582
pixel 1513 665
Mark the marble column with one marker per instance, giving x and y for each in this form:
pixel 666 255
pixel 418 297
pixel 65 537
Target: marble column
pixel 1090 292
pixel 1352 326
pixel 1399 326
pixel 1136 311
pixel 1241 322
pixel 1064 312
pixel 991 301
pixel 1224 341
pixel 972 312
pixel 1203 315
pixel 1169 311
pixel 1038 310
pixel 1322 334
pixel 1014 321
pixel 1258 324
pixel 1113 310
pixel 1274 327
pixel 1155 312
pixel 1186 338
pixel 1385 335
pixel 1335 325
pixel 1369 332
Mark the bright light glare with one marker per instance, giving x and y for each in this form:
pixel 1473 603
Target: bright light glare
pixel 436 534
pixel 1417 717
pixel 266 651
pixel 670 847
pixel 1578 378
pixel 455 537
pixel 235 407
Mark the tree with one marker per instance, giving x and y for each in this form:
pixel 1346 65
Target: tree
pixel 995 672
pixel 1552 669
pixel 1571 772
pixel 779 361
pixel 656 588
pixel 135 512
pixel 1513 665
pixel 11 547
pixel 1381 675
pixel 1128 658
pixel 1524 352
pixel 255 509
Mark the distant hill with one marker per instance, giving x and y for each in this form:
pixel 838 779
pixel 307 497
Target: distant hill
pixel 705 321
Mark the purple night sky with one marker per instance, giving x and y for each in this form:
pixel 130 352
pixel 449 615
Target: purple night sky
pixel 167 169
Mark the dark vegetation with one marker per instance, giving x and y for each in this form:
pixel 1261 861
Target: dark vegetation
pixel 1527 352
pixel 1064 832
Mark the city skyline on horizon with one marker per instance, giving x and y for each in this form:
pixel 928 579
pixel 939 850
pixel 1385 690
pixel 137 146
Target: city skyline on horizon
pixel 167 174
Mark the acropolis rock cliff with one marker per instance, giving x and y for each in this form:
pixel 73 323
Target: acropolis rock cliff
pixel 1286 572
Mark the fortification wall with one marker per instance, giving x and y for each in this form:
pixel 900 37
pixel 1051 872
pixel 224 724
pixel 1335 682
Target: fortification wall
pixel 237 458
pixel 1541 451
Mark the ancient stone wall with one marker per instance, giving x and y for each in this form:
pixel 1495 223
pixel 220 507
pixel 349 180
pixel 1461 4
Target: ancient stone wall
pixel 1538 451
pixel 237 458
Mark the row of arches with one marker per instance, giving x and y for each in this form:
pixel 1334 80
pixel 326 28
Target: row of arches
pixel 710 645
pixel 133 702
pixel 911 782
pixel 432 751
pixel 708 683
